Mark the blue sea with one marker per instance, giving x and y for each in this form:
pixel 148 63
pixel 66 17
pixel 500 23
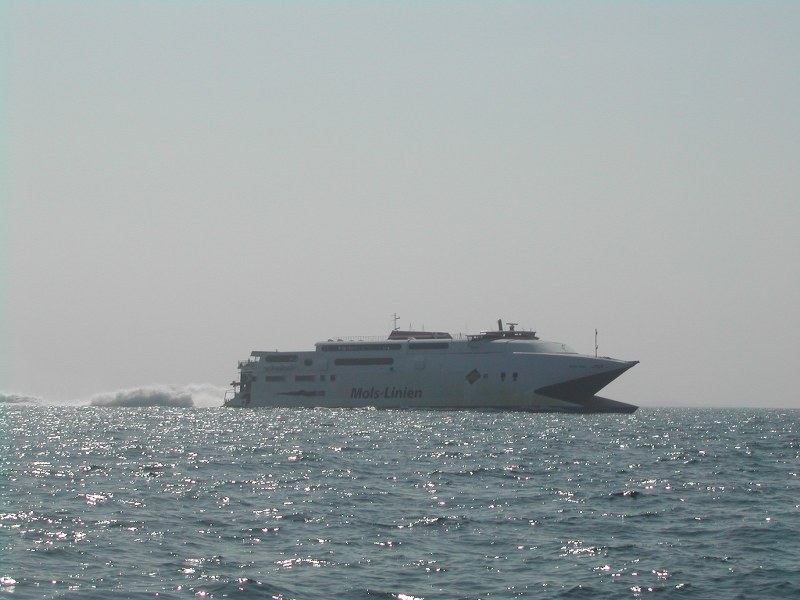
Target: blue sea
pixel 178 502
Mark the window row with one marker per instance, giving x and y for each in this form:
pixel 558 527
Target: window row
pixel 282 378
pixel 349 347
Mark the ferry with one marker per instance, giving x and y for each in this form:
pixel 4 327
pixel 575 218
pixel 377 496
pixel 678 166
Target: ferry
pixel 503 369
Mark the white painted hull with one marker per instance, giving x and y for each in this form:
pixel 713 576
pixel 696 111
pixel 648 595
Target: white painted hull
pixel 499 373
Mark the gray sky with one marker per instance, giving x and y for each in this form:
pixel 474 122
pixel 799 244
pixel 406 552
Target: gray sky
pixel 189 181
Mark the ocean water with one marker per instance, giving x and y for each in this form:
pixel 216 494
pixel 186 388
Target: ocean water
pixel 175 502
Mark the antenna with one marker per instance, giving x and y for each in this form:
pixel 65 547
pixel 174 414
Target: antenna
pixel 395 317
pixel 595 343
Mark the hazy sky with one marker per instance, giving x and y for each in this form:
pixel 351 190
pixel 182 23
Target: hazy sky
pixel 185 182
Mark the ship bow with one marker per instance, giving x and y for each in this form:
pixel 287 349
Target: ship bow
pixel 581 392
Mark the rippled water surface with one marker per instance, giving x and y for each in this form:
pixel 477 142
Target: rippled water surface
pixel 281 503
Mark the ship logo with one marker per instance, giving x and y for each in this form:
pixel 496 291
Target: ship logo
pixel 473 376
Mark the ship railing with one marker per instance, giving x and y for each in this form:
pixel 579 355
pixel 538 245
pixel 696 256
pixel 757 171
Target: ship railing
pixel 358 338
pixel 248 361
pixel 381 338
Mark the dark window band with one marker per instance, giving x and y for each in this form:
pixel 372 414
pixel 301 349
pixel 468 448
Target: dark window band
pixel 280 358
pixel 363 361
pixel 359 347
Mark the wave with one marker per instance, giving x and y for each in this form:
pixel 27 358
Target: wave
pixel 19 399
pixel 181 396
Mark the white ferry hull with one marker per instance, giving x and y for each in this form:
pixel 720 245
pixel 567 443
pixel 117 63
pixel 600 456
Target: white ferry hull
pixel 500 373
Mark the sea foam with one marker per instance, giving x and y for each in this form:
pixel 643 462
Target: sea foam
pixel 19 399
pixel 162 395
